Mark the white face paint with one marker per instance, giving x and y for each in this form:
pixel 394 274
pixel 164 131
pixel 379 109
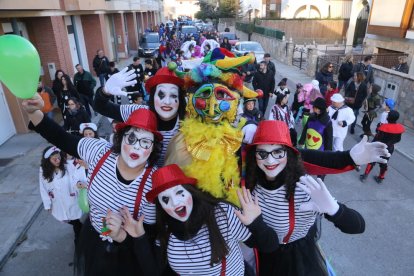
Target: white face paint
pixel 271 166
pixel 177 202
pixel 166 100
pixel 132 147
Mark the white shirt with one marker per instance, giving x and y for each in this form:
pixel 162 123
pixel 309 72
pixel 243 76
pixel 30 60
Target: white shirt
pixel 345 113
pixel 60 195
pixel 384 117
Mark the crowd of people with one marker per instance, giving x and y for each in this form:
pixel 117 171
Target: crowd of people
pixel 205 164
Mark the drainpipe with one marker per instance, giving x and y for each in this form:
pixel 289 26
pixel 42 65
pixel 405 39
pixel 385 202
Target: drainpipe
pixel 115 38
pixel 72 20
pixel 15 27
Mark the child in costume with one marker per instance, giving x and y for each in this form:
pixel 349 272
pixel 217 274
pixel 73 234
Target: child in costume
pixel 58 188
pixel 290 202
pixel 199 234
pixel 281 112
pixel 250 112
pixel 389 105
pixel 342 116
pixel 373 104
pixel 390 134
pixel 282 87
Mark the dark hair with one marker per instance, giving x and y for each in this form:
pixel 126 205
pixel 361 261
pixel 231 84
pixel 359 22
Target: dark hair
pixel 156 147
pixel 78 103
pixel 204 211
pixel 288 177
pixel 262 62
pixel 48 170
pixel 267 55
pixel 135 59
pixel 393 116
pixel 112 64
pixel 95 132
pixel 57 72
pixel 77 65
pixel 280 97
pixel 182 103
pixel 135 96
pixel 375 88
pixel 325 67
pixel 366 58
pixel 69 83
pixel 333 84
pixel 148 61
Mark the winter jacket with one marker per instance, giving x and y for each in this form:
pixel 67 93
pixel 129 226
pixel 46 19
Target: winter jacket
pixel 324 77
pixel 403 68
pixel 74 119
pixel 265 82
pixel 367 70
pixel 360 95
pixel 84 83
pixel 249 68
pixel 346 71
pixel 100 65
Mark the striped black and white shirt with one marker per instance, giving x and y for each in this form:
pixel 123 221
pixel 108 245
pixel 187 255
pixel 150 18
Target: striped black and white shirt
pixel 106 191
pixel 126 110
pixel 275 212
pixel 192 257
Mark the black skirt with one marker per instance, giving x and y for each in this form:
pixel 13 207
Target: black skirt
pixel 301 257
pixel 96 257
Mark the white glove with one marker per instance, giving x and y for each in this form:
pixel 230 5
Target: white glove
pixel 248 133
pixel 364 153
pixel 120 80
pixel 321 200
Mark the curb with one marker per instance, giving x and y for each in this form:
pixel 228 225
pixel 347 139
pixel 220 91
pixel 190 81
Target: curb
pixel 20 237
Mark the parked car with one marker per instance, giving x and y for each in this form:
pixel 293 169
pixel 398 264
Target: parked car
pixel 199 26
pixel 209 28
pixel 242 47
pixel 148 45
pixel 188 31
pixel 231 36
pixel 170 24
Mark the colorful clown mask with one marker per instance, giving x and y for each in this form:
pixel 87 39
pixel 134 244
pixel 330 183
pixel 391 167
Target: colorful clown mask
pixel 215 102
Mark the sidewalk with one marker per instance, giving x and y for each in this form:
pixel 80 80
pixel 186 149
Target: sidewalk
pixel 295 75
pixel 19 189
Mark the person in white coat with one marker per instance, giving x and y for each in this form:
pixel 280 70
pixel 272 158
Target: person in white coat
pixel 58 188
pixel 342 116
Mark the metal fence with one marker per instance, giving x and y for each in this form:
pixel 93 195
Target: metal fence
pixel 300 57
pixel 384 60
pixel 252 28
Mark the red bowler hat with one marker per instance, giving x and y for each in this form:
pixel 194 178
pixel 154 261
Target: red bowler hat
pixel 272 132
pixel 144 119
pixel 165 178
pixel 164 75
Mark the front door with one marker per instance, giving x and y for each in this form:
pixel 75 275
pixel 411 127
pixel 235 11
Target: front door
pixel 6 121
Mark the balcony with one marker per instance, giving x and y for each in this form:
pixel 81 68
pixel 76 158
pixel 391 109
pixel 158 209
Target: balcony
pixel 30 5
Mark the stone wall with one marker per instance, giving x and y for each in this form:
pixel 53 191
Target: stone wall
pixel 322 31
pixel 400 87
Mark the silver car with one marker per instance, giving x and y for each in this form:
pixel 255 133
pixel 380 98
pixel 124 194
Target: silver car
pixel 242 47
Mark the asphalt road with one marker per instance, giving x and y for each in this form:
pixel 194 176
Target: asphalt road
pixel 384 249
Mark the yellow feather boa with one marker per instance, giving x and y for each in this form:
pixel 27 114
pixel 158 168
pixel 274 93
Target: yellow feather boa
pixel 213 150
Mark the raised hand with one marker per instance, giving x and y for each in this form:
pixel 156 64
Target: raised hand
pixel 248 133
pixel 250 208
pixel 33 104
pixel 120 80
pixel 364 152
pixel 321 200
pixel 135 228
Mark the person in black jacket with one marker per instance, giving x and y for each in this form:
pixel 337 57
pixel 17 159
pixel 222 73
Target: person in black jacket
pixel 250 112
pixel 67 91
pixel 226 44
pixel 101 66
pixel 264 80
pixel 402 65
pixel 139 71
pixel 357 92
pixel 366 68
pixel 270 65
pixel 74 116
pixel 85 84
pixel 389 134
pixel 324 76
pixel 345 71
pixel 249 69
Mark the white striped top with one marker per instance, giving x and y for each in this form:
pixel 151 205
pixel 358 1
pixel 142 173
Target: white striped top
pixel 106 191
pixel 275 212
pixel 126 110
pixel 192 257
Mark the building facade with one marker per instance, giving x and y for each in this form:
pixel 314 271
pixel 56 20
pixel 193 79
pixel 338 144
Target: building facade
pixel 68 32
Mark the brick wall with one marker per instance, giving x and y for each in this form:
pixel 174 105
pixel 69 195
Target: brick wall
pixel 53 48
pixel 94 31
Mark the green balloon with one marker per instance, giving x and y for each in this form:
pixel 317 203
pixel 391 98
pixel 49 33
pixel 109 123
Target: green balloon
pixel 83 200
pixel 19 65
